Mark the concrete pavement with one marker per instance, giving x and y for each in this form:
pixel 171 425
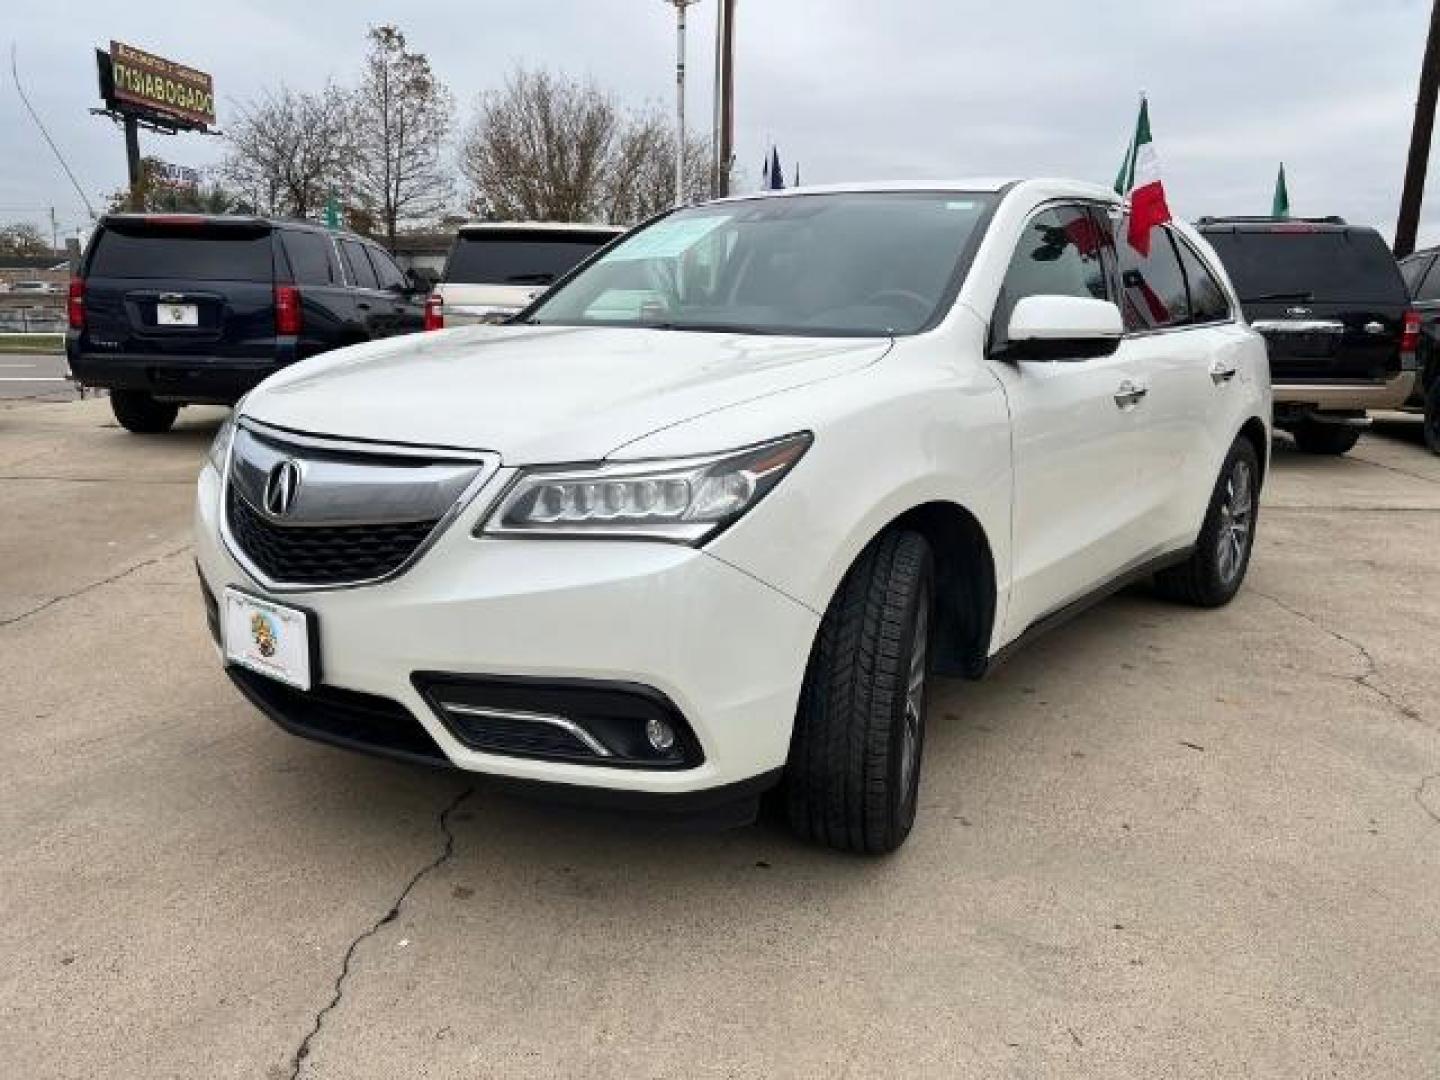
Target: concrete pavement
pixel 1160 843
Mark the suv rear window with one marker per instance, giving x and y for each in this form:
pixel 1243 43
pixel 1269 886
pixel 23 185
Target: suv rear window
pixel 196 253
pixel 1337 265
pixel 521 257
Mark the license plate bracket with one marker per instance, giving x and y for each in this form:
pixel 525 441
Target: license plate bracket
pixel 276 640
pixel 186 315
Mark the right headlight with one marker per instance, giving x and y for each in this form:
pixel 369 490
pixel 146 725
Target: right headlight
pixel 682 500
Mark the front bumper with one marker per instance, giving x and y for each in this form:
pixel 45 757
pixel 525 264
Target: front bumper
pixel 1346 396
pixel 727 650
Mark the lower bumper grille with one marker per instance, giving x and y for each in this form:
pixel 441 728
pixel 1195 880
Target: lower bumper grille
pixel 322 554
pixel 345 718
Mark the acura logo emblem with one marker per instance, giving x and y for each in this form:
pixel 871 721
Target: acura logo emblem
pixel 281 488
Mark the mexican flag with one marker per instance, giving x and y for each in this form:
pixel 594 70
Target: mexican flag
pixel 1140 180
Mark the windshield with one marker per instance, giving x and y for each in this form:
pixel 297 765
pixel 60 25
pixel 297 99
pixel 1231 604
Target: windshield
pixel 519 257
pixel 1340 266
pixel 855 264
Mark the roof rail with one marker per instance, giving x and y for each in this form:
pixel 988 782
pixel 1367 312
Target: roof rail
pixel 1239 219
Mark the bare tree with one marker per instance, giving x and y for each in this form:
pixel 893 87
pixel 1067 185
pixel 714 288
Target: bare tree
pixel 401 114
pixel 540 149
pixel 548 148
pixel 23 238
pixel 289 150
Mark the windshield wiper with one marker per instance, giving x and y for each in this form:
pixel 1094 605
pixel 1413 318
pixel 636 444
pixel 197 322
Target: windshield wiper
pixel 530 279
pixel 706 327
pixel 1300 295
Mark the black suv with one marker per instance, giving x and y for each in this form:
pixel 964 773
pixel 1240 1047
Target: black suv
pixel 173 309
pixel 1422 278
pixel 1329 300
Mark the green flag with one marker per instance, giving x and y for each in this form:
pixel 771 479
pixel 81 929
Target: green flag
pixel 1280 206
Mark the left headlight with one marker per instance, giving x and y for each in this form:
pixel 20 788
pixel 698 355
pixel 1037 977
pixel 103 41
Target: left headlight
pixel 682 500
pixel 220 445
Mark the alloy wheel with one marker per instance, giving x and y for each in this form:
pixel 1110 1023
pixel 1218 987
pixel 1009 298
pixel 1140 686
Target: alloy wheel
pixel 1237 519
pixel 910 733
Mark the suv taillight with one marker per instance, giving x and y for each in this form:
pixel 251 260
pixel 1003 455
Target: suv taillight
pixel 287 309
pixel 75 305
pixel 434 312
pixel 1410 333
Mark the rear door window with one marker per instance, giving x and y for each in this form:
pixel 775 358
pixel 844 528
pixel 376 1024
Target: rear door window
pixel 361 273
pixel 1293 263
pixel 386 272
pixel 1429 288
pixel 189 252
pixel 1153 286
pixel 312 259
pixel 1207 298
pixel 518 257
pixel 1412 269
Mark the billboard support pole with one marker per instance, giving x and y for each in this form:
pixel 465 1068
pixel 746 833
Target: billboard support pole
pixel 132 159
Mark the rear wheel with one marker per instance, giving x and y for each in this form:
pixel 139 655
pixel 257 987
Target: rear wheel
pixel 137 411
pixel 1320 438
pixel 1215 569
pixel 854 771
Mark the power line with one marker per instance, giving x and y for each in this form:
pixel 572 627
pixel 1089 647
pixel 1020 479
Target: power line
pixel 15 74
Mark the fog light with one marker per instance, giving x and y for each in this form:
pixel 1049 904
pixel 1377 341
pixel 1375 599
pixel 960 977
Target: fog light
pixel 660 734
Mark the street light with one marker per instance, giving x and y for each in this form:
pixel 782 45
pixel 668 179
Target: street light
pixel 680 6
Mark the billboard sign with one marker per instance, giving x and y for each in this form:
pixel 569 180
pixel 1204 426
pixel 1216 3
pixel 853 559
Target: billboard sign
pixel 174 176
pixel 145 83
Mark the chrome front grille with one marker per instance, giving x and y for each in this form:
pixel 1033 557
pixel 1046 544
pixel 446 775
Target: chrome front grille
pixel 304 512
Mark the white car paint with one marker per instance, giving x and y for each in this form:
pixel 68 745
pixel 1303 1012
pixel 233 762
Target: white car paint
pixel 1069 489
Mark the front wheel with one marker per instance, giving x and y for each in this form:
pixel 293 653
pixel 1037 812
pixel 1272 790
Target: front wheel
pixel 1321 438
pixel 137 411
pixel 854 771
pixel 1213 573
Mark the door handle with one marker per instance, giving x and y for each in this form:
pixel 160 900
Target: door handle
pixel 1222 372
pixel 1129 394
pixel 363 306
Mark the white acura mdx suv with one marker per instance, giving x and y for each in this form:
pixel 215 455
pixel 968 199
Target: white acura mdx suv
pixel 705 519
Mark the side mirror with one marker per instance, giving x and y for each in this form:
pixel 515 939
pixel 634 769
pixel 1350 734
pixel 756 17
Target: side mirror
pixel 1062 328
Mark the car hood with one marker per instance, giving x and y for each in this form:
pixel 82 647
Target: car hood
pixel 542 394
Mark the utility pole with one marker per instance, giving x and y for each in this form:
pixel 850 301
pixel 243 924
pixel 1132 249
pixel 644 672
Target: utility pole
pixel 1409 222
pixel 680 6
pixel 54 232
pixel 723 145
pixel 132 158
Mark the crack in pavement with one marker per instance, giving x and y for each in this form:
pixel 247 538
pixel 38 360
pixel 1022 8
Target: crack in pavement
pixel 1394 469
pixel 302 1052
pixel 184 481
pixel 13 619
pixel 1420 797
pixel 1372 669
pixel 1271 508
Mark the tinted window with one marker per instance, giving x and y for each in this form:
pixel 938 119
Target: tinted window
pixel 1300 263
pixel 194 253
pixel 498 257
pixel 854 264
pixel 1412 269
pixel 386 271
pixel 311 258
pixel 1153 285
pixel 357 266
pixel 1430 287
pixel 1207 298
pixel 1058 255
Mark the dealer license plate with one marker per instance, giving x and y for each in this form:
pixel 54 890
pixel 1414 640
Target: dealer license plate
pixel 269 638
pixel 177 314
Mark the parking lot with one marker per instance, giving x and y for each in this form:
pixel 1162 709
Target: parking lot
pixel 1162 842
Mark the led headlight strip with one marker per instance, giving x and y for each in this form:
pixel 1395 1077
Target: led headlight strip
pixel 682 500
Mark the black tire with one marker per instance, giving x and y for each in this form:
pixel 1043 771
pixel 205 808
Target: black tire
pixel 137 411
pixel 1316 438
pixel 854 771
pixel 1216 568
pixel 1432 416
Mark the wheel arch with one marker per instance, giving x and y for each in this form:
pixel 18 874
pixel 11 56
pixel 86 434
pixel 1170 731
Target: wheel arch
pixel 965 584
pixel 1259 436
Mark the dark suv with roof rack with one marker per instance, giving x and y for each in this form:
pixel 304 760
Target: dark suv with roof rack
pixel 1328 298
pixel 176 309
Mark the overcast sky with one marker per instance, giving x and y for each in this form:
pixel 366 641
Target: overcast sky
pixel 851 89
